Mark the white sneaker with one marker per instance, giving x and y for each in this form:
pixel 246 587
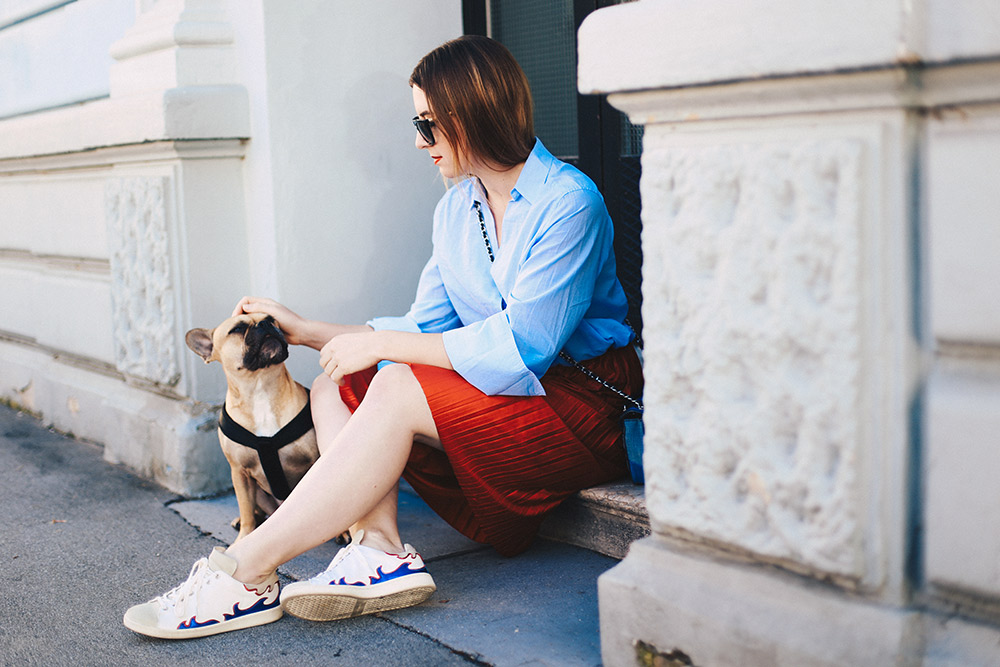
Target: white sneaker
pixel 360 580
pixel 209 602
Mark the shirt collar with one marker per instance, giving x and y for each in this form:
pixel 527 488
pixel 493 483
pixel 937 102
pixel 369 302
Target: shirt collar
pixel 530 181
pixel 475 191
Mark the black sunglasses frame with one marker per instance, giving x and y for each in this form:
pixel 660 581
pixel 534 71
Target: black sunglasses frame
pixel 424 126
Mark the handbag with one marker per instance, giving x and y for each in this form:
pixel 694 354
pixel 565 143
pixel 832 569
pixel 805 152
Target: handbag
pixel 631 417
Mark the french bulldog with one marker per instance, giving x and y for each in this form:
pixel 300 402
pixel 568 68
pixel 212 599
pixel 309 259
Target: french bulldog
pixel 264 408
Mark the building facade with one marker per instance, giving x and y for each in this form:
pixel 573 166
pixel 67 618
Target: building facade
pixel 159 159
pixel 819 221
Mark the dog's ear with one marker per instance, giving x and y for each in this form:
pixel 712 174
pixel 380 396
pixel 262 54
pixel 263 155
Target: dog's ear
pixel 200 340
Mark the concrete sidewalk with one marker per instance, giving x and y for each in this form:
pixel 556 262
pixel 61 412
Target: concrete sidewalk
pixel 84 540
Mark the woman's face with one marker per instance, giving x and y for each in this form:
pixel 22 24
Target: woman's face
pixel 441 152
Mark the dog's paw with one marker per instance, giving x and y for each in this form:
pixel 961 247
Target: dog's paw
pixel 258 515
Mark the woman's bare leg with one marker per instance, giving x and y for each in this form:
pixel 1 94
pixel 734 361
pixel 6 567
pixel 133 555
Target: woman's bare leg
pixel 354 481
pixel 330 415
pixel 381 529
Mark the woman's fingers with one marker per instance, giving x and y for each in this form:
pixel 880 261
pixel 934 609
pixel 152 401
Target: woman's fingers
pixel 248 304
pixel 331 366
pixel 327 360
pixel 288 321
pixel 238 310
pixel 256 304
pixel 331 369
pixel 346 354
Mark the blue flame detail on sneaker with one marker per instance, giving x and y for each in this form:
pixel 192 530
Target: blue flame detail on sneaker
pixel 401 571
pixel 260 605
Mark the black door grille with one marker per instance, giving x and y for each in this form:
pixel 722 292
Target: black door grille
pixel 581 129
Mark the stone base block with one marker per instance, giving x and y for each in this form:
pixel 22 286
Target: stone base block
pixel 167 439
pixel 690 610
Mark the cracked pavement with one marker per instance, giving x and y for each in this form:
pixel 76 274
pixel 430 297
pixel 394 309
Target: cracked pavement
pixel 84 540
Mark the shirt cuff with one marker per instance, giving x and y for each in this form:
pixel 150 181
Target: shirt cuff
pixel 486 356
pixel 404 323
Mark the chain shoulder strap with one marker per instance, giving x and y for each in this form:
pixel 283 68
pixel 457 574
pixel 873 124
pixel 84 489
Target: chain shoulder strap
pixel 594 376
pixel 562 355
pixel 482 226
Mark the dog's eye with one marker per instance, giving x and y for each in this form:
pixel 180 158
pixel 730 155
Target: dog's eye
pixel 240 329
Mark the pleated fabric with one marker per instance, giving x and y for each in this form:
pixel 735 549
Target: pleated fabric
pixel 510 460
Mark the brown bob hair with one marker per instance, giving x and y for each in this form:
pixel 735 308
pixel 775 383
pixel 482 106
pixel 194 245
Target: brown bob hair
pixel 480 100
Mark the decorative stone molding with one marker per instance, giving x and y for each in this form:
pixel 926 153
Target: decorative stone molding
pixel 752 285
pixel 174 43
pixel 142 293
pixel 672 44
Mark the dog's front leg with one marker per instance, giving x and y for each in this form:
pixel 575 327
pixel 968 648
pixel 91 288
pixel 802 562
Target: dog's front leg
pixel 246 496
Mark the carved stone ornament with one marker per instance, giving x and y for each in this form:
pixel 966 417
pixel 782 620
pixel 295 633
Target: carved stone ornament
pixel 752 283
pixel 142 296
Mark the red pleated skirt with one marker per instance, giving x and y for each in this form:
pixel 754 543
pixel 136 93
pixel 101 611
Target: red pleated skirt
pixel 509 460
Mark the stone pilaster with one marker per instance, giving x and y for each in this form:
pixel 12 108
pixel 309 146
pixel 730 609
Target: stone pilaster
pixel 784 175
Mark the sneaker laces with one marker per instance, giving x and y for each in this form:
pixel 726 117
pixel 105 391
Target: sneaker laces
pixel 344 553
pixel 176 597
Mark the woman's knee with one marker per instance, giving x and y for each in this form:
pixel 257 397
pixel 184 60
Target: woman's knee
pixel 324 387
pixel 329 412
pixel 395 382
pixel 325 394
pixel 395 388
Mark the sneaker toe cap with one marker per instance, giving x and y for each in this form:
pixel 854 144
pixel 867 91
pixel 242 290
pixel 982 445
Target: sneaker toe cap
pixel 143 618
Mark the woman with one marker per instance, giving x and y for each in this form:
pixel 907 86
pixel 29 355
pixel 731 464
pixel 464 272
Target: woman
pixel 476 413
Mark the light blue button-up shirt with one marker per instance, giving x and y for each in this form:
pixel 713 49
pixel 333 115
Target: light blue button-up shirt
pixel 551 287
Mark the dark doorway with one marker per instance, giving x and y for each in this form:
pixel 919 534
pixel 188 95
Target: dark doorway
pixel 580 129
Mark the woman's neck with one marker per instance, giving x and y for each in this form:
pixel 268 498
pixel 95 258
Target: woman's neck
pixel 498 185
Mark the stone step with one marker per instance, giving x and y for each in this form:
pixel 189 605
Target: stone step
pixel 605 519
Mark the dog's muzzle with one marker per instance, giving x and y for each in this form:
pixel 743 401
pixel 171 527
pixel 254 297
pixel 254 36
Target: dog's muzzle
pixel 265 345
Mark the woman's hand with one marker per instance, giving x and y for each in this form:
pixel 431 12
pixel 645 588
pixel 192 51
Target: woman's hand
pixel 349 353
pixel 292 325
pixel 352 351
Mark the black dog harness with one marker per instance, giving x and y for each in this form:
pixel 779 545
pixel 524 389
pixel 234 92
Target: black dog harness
pixel 267 446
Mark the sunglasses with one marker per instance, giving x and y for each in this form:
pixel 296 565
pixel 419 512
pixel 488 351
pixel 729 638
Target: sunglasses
pixel 424 126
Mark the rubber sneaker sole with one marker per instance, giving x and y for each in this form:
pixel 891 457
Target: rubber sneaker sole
pixel 142 619
pixel 316 602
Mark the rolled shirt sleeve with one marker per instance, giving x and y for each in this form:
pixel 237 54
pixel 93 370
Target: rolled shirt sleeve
pixel 486 355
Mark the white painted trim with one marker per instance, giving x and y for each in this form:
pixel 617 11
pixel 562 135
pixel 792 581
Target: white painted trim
pixel 196 112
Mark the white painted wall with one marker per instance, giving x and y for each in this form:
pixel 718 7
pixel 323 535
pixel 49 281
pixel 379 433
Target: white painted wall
pixel 339 199
pixel 47 60
pixel 236 146
pixel 963 397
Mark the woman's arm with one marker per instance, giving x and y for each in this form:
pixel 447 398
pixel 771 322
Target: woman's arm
pixel 297 329
pixel 346 349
